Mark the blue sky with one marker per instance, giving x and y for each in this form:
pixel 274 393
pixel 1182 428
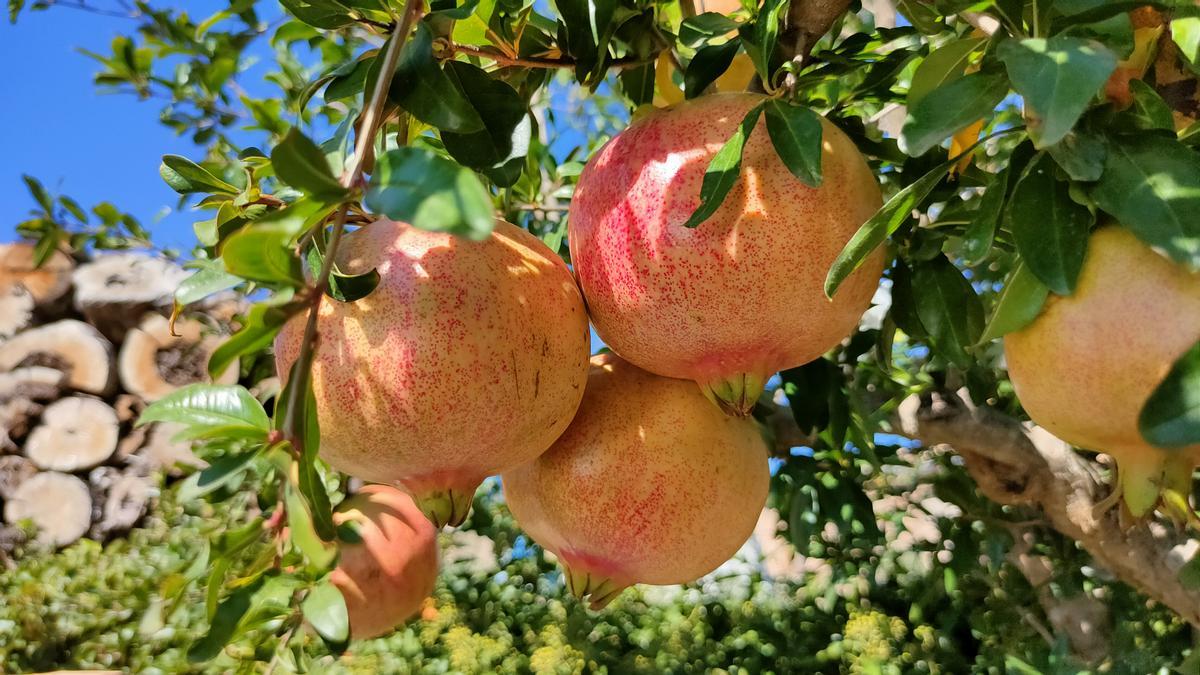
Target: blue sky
pixel 78 141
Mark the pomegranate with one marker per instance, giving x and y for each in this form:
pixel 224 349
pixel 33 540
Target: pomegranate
pixel 649 484
pixel 1086 365
pixel 386 577
pixel 740 296
pixel 469 358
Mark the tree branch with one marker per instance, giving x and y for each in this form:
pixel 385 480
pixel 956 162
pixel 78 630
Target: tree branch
pixel 1019 465
pixel 807 21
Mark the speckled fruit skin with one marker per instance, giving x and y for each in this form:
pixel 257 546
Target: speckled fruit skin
pixel 469 358
pixel 1087 364
pixel 650 484
pixel 741 296
pixel 385 577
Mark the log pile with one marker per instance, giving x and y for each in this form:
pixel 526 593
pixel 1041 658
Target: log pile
pixel 84 346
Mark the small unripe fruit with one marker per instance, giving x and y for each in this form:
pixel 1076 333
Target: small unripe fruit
pixel 741 296
pixel 650 484
pixel 469 358
pixel 386 577
pixel 1084 368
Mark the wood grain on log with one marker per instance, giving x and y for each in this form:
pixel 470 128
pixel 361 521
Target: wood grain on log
pixel 114 291
pixel 76 433
pixel 14 470
pixel 120 499
pixel 68 345
pixel 154 363
pixel 16 309
pixel 59 504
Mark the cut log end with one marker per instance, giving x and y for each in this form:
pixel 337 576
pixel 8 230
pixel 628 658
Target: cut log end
pixel 154 363
pixel 70 346
pixel 160 453
pixel 120 500
pixel 46 284
pixel 16 309
pixel 58 504
pixel 114 291
pixel 76 433
pixel 14 471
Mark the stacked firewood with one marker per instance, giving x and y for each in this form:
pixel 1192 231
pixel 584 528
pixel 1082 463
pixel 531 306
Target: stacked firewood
pixel 85 345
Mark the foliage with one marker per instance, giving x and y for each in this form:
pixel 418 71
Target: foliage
pixel 442 115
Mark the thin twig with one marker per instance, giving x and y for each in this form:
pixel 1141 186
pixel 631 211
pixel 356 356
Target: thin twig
pixel 350 178
pixel 82 6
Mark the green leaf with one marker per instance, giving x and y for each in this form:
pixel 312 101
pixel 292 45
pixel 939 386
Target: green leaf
pixel 186 177
pixel 943 65
pixel 978 237
pixel 210 405
pixel 880 226
pixel 723 170
pixel 948 307
pixel 208 279
pixel 707 65
pixel 807 388
pixel 224 624
pixel 950 108
pixel 320 554
pixel 765 37
pixel 586 26
pixel 1151 184
pixel 1058 77
pixel 499 149
pixel 342 287
pixel 430 192
pixel 426 92
pixel 259 328
pixel 325 608
pixel 702 27
pixel 262 252
pixel 638 84
pixel 1149 110
pixel 1081 155
pixel 1171 416
pixel 1020 302
pixel 215 476
pixel 326 14
pixel 795 132
pixel 1186 34
pixel 39 193
pixel 1049 228
pixel 73 208
pixel 310 484
pixel 301 164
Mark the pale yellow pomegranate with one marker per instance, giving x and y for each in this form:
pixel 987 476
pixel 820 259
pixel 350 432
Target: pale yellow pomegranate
pixel 741 296
pixel 650 484
pixel 386 577
pixel 1086 366
pixel 469 358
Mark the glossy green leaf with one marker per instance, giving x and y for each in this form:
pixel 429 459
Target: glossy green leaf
pixel 795 132
pixel 1171 416
pixel 327 14
pixel 210 405
pixel 1151 184
pixel 1049 228
pixel 422 88
pixel 1148 110
pixel 301 164
pixel 1081 154
pixel 320 554
pixel 1185 32
pixel 943 65
pixel 223 624
pixel 309 478
pixel 342 287
pixel 259 328
pixel 700 28
pixel 585 27
pixel 39 193
pixel 1058 77
pixel 707 65
pixel 325 609
pixel 263 252
pixel 498 149
pixel 765 36
pixel 186 177
pixel 430 192
pixel 723 171
pixel 220 473
pixel 950 310
pixel 951 107
pixel 1020 302
pixel 638 84
pixel 209 278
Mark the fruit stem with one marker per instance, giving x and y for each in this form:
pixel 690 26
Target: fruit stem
pixel 735 395
pixel 445 507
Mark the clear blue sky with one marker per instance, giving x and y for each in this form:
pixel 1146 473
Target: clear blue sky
pixel 57 126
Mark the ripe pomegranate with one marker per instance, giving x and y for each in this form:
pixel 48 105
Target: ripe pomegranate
pixel 469 358
pixel 386 577
pixel 741 296
pixel 1086 365
pixel 649 484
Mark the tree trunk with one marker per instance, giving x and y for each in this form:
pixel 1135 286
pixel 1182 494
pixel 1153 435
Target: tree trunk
pixel 59 504
pixel 70 346
pixel 154 363
pixel 114 291
pixel 76 433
